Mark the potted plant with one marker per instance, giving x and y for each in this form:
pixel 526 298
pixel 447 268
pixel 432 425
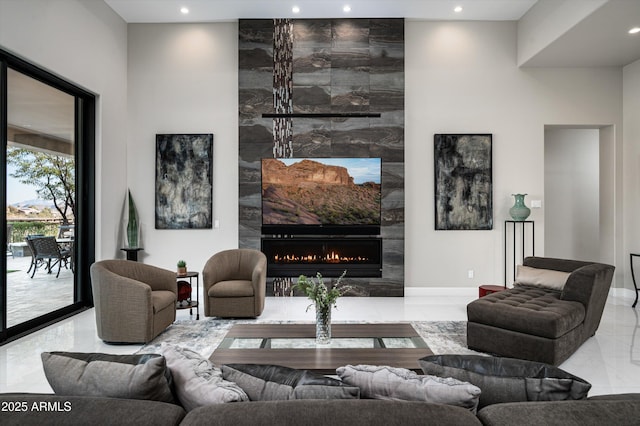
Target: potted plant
pixel 182 268
pixel 324 298
pixel 132 224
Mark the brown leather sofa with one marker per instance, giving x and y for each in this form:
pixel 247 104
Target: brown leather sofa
pixel 134 302
pixel 234 283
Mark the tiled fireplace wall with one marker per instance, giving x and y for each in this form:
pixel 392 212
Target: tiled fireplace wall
pixel 335 66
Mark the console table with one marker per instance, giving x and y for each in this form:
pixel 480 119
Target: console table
pixel 514 224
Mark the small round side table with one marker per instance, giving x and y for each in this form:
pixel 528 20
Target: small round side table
pixel 483 290
pixel 190 275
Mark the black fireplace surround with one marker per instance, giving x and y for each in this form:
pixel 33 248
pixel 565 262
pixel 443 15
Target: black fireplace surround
pixel 330 256
pixel 345 44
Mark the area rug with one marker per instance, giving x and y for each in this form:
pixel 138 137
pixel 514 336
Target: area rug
pixel 204 336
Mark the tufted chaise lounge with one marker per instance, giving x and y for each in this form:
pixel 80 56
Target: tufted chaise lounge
pixel 541 324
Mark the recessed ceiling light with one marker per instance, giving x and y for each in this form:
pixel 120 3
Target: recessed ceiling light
pixel 346 8
pixel 634 30
pixel 295 9
pixel 457 9
pixel 184 10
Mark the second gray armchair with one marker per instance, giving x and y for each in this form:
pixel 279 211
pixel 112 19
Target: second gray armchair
pixel 234 283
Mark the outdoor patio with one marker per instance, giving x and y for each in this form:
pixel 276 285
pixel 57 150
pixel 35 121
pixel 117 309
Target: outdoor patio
pixel 28 298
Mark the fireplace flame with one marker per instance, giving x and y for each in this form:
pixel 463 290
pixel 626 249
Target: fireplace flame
pixel 332 257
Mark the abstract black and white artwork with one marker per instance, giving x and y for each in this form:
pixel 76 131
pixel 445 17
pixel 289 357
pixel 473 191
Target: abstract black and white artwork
pixel 184 181
pixel 463 182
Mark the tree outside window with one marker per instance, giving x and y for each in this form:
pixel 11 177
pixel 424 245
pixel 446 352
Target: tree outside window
pixel 53 176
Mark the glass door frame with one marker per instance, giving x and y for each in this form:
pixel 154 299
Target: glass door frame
pixel 84 152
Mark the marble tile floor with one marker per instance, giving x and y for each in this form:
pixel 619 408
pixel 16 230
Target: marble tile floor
pixel 610 361
pixel 28 297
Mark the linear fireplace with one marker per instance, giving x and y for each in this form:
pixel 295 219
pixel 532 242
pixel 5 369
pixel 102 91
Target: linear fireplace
pixel 291 257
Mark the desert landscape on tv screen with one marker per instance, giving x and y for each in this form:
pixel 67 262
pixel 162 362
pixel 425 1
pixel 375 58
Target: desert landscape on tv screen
pixel 313 191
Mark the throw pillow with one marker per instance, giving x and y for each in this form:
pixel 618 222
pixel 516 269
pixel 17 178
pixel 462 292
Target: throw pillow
pixel 545 278
pixel 508 379
pixel 275 382
pixel 197 381
pixel 382 382
pixel 116 376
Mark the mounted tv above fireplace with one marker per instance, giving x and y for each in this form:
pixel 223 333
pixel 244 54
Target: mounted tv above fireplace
pixel 307 196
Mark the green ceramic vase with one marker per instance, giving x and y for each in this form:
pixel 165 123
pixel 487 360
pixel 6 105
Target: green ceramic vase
pixel 519 212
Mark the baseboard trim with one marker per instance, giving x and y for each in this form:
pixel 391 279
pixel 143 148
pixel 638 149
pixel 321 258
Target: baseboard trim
pixel 623 293
pixel 619 293
pixel 440 291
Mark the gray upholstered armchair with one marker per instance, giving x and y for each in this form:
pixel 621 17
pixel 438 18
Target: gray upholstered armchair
pixel 134 302
pixel 234 283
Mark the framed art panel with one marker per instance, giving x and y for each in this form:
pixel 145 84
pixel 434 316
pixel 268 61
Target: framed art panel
pixel 184 181
pixel 463 182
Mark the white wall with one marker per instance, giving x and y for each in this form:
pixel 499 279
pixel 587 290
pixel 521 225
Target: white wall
pixel 84 42
pixel 572 193
pixel 183 78
pixel 462 77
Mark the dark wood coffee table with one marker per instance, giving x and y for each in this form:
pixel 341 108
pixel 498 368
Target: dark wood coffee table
pixel 293 345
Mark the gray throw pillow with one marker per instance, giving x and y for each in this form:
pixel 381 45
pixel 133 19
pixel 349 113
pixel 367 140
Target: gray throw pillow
pixel 275 382
pixel 508 379
pixel 197 381
pixel 116 376
pixel 383 382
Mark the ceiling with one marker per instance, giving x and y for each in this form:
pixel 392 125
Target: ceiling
pixel 39 116
pixel 600 39
pixel 147 11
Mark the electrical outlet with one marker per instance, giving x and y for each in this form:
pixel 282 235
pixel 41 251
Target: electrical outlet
pixel 470 273
pixel 536 204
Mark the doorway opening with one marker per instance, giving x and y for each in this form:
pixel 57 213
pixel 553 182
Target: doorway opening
pixel 578 192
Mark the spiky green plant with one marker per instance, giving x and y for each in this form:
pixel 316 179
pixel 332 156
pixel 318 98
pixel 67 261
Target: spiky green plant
pixel 132 224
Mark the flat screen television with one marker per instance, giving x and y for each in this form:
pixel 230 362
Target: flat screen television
pixel 321 195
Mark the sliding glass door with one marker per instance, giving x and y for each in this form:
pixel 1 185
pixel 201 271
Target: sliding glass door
pixel 48 137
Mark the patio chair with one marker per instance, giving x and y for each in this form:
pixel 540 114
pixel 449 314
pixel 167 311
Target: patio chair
pixel 46 250
pixel 28 239
pixel 66 231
